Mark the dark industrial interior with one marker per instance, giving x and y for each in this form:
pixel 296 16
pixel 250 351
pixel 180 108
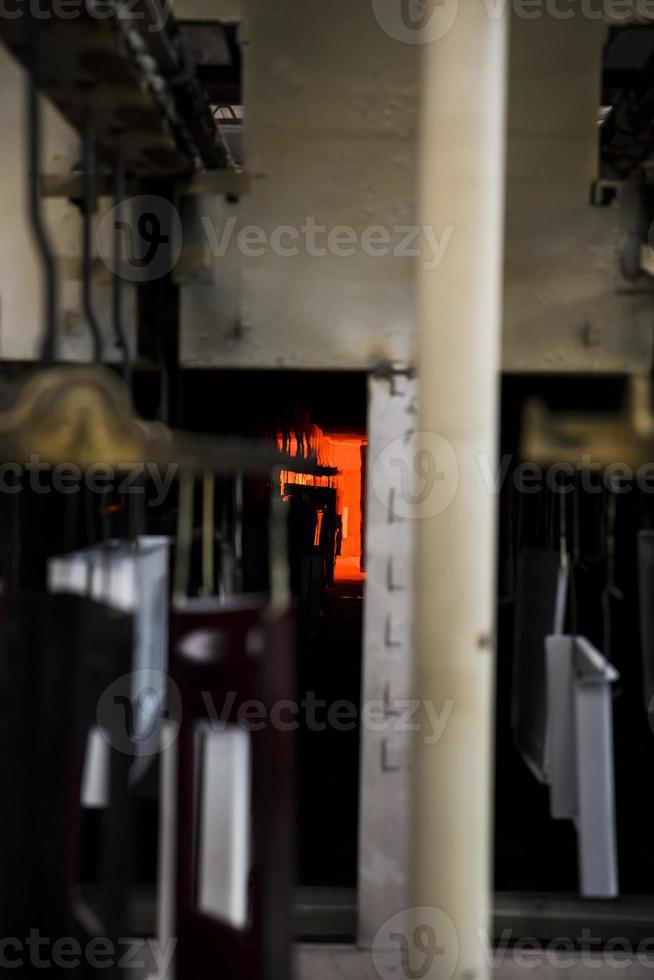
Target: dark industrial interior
pixel 326 490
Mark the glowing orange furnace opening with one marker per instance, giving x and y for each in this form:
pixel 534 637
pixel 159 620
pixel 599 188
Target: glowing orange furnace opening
pixel 344 453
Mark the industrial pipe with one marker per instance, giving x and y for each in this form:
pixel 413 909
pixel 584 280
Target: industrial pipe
pixel 461 186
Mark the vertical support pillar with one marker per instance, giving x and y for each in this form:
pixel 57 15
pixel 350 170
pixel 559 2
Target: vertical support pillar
pixel 387 659
pixel 461 186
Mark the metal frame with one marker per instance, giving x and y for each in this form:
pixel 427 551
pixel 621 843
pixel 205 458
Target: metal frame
pixel 580 735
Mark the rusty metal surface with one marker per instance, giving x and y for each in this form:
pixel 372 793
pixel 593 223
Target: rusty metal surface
pixel 566 306
pixel 331 133
pixel 84 416
pixel 584 440
pixel 132 73
pixel 20 280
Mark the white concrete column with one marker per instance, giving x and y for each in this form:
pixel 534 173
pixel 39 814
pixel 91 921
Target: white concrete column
pixel 461 186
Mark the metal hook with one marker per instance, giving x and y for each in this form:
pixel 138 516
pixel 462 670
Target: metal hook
pixel 564 555
pixel 208 531
pixel 119 327
pixel 48 262
pixel 89 205
pixel 184 537
pixel 280 585
pixel 238 530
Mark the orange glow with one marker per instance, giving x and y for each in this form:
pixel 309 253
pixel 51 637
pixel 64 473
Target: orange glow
pixel 347 458
pixel 342 452
pixel 349 570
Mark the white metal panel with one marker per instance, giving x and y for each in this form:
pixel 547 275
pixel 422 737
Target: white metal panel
pixel 224 825
pixel 131 577
pixel 596 824
pixel 167 864
pixel 580 735
pixel 95 775
pixel 560 727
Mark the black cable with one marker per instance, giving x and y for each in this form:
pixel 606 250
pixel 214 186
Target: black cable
pixel 88 210
pixel 48 262
pixel 119 326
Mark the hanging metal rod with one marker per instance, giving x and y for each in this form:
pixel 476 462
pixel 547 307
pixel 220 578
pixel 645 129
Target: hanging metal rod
pixel 46 255
pixel 88 210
